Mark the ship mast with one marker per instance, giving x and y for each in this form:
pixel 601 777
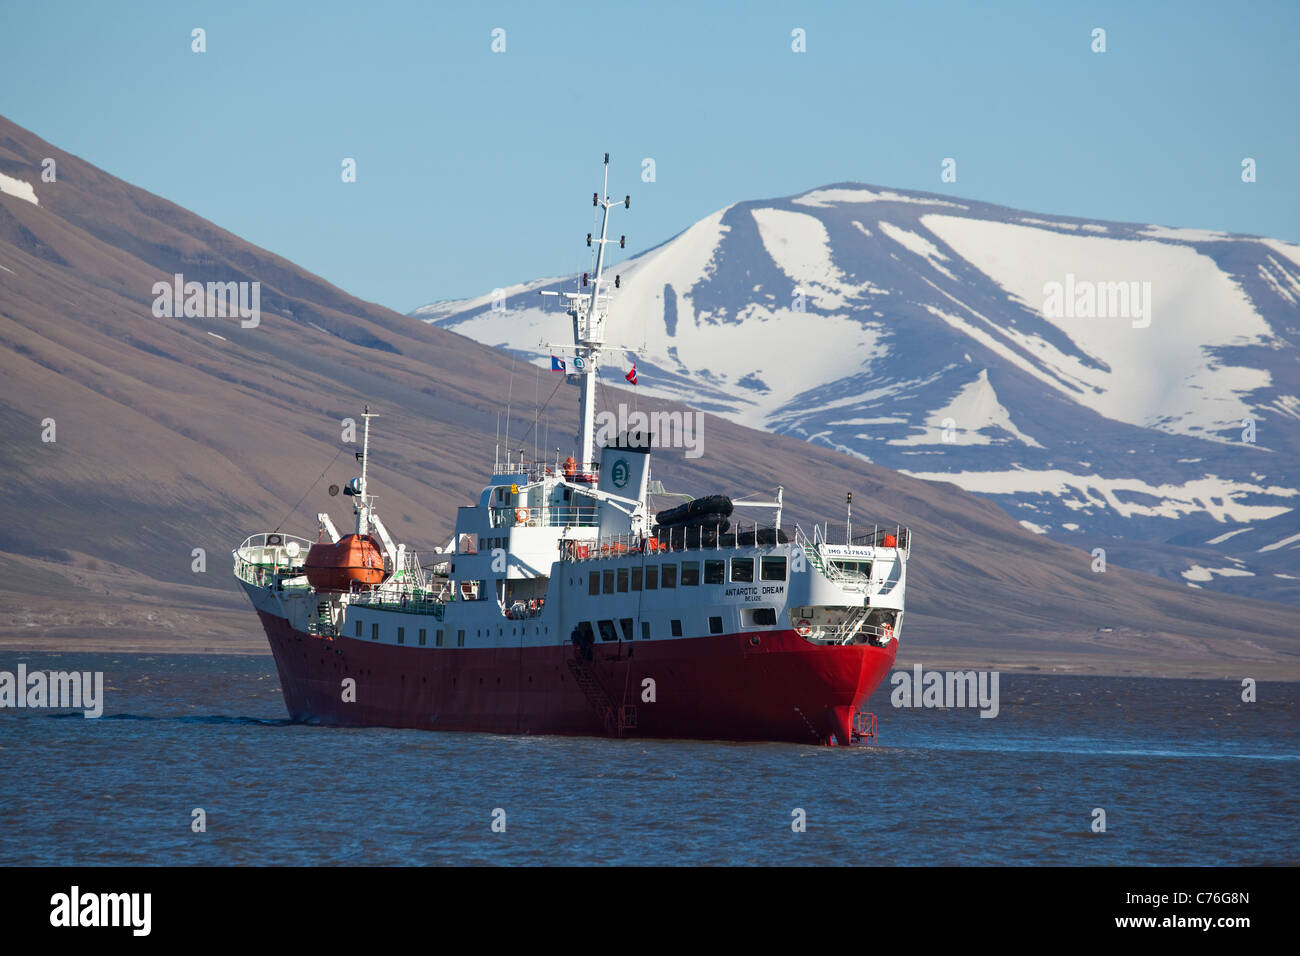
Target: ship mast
pixel 589 312
pixel 589 337
pixel 363 500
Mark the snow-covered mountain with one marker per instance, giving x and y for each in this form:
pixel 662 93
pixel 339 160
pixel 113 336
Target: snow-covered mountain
pixel 1111 385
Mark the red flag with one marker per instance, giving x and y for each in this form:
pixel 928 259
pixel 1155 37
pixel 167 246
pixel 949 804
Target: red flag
pixel 631 376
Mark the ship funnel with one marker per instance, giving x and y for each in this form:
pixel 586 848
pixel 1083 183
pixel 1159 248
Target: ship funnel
pixel 624 471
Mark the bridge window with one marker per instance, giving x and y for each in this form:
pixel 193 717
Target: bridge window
pixel 772 569
pixel 636 579
pixel 593 583
pixel 715 624
pixel 607 632
pixel 690 574
pixel 668 577
pixel 742 570
pixel 626 624
pixel 622 580
pixel 714 571
pixel 652 578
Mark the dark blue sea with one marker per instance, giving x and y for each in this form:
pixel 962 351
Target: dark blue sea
pixel 1186 773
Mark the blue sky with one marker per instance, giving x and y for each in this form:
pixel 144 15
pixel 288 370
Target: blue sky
pixel 475 169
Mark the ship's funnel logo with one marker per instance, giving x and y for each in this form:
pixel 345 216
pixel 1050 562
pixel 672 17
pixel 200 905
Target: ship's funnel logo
pixel 619 474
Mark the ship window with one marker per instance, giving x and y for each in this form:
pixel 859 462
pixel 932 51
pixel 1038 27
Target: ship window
pixel 607 632
pixel 742 570
pixel 593 583
pixel 636 579
pixel 714 571
pixel 651 579
pixel 669 577
pixel 676 628
pixel 690 574
pixel 772 569
pixel 715 624
pixel 460 638
pixel 609 582
pixel 401 635
pixel 358 628
pixel 374 631
pixel 622 580
pixel 625 623
pixel 438 637
pixel 645 630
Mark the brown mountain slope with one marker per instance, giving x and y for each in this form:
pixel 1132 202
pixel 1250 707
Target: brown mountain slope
pixel 169 438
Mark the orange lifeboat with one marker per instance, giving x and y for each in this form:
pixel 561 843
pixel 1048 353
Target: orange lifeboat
pixel 355 559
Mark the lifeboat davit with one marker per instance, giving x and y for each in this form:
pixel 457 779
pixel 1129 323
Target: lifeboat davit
pixel 354 559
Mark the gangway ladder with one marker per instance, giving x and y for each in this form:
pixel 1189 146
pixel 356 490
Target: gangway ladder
pixel 864 727
pixel 614 719
pixel 322 625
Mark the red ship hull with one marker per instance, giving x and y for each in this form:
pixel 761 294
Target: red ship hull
pixel 774 686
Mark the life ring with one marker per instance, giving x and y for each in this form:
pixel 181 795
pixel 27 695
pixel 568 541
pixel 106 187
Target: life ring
pixel 804 627
pixel 521 515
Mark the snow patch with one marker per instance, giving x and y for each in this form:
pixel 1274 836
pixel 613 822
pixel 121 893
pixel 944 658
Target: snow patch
pixel 1198 573
pixel 1280 544
pixel 870 421
pixel 973 409
pixel 1224 537
pixel 801 248
pixel 918 244
pixel 826 197
pixel 1184 235
pixel 1217 497
pixel 19 189
pixel 1166 376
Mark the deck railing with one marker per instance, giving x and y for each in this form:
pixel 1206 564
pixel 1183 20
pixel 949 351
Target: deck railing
pixel 415 602
pixel 263 557
pixel 548 516
pixel 693 539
